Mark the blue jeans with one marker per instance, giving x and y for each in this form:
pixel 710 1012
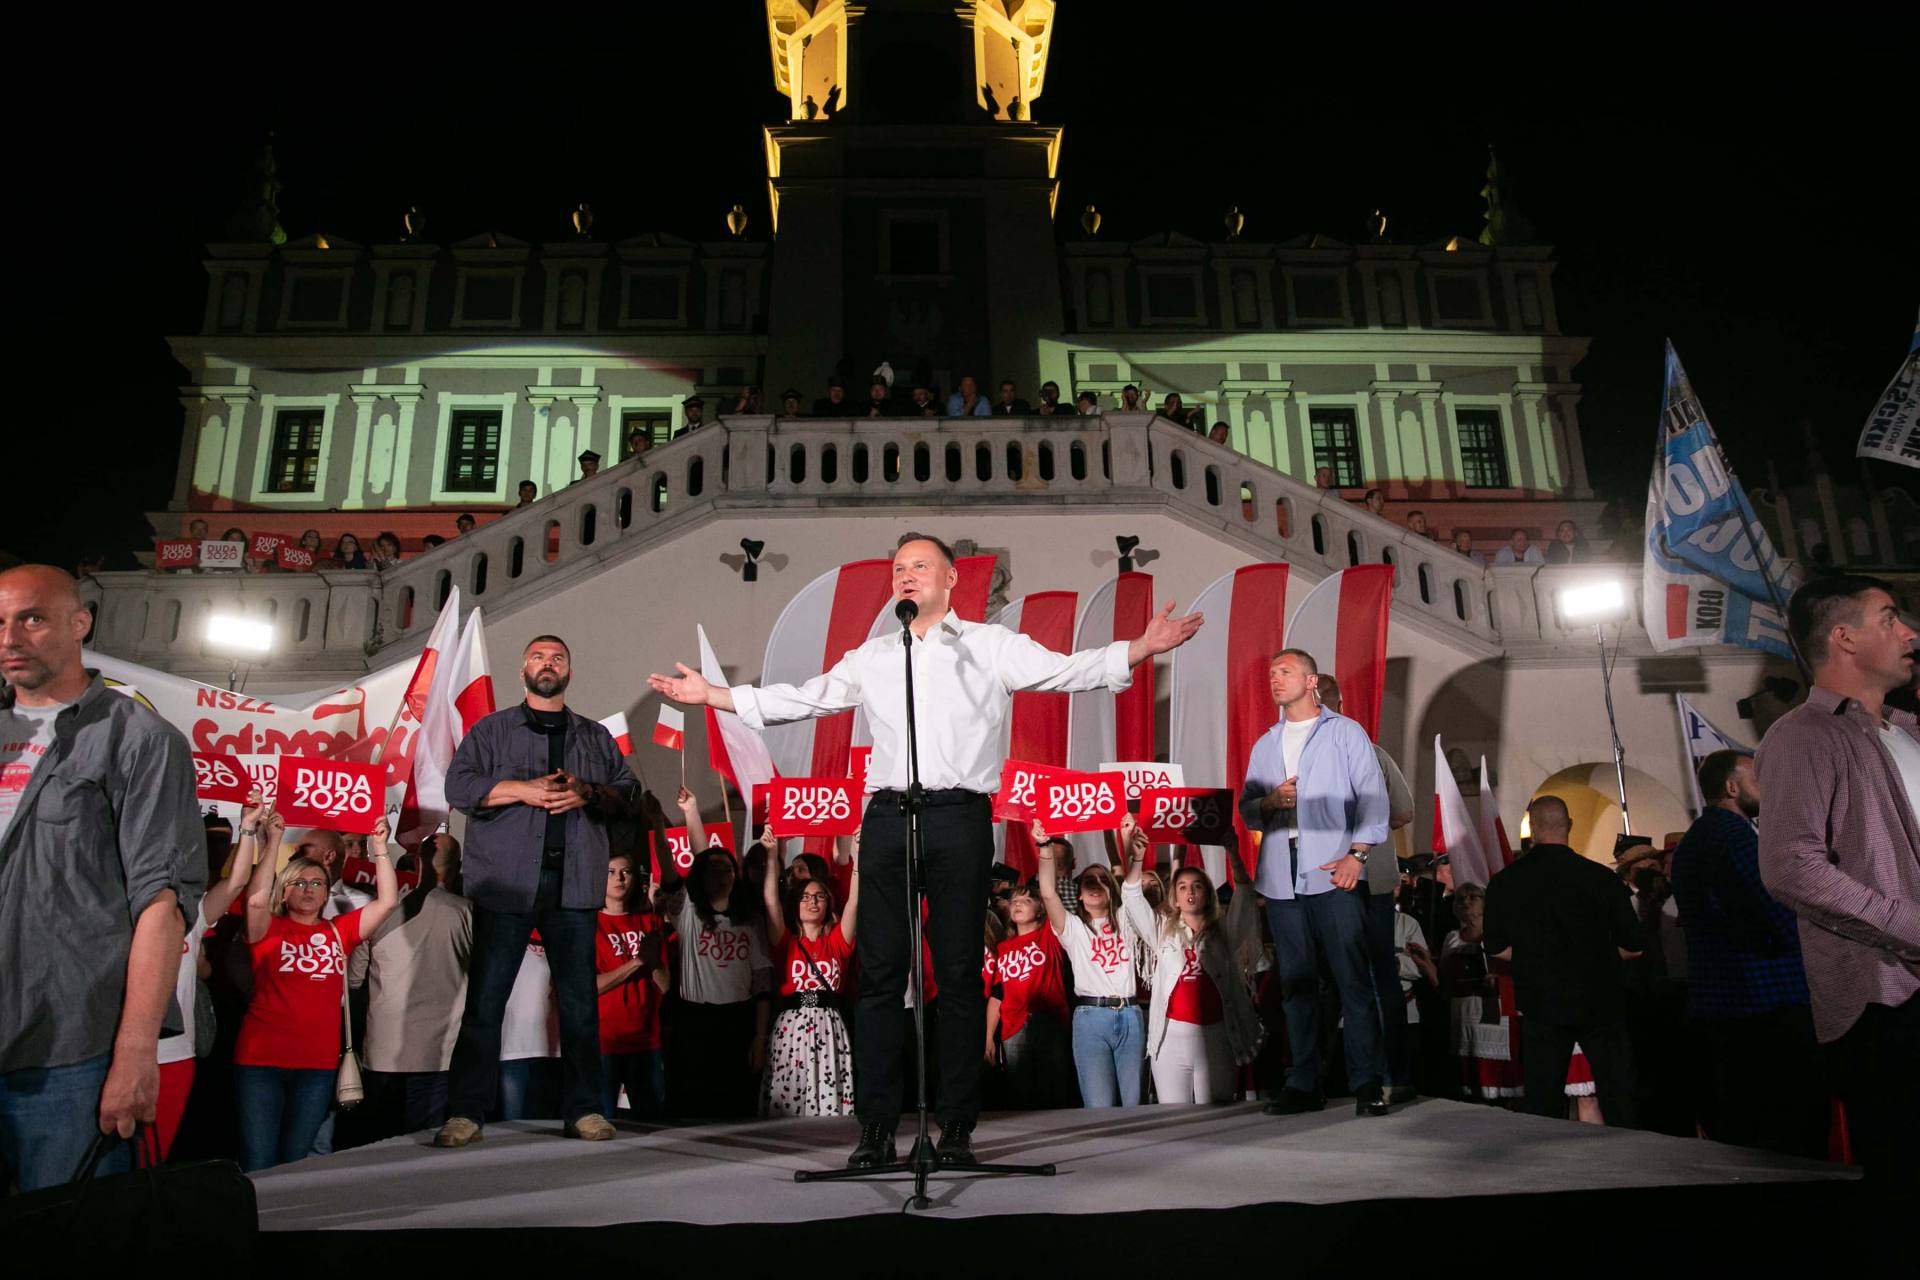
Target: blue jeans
pixel 499 945
pixel 1108 1047
pixel 1333 923
pixel 643 1075
pixel 49 1116
pixel 280 1110
pixel 529 1089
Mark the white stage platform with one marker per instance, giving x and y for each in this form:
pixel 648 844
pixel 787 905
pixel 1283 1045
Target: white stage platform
pixel 1145 1158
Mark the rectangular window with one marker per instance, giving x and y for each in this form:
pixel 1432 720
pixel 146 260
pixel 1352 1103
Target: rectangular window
pixel 294 465
pixel 1336 444
pixel 473 451
pixel 1483 449
pixel 657 423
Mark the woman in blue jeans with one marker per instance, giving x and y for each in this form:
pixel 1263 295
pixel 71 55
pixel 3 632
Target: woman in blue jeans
pixel 288 1049
pixel 1109 1029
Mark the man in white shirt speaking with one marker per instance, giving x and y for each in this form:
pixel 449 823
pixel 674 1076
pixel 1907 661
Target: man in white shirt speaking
pixel 965 675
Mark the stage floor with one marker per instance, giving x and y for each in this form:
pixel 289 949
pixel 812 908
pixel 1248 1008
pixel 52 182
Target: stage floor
pixel 1146 1158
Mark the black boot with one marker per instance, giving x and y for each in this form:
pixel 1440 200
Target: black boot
pixel 1294 1102
pixel 956 1145
pixel 876 1146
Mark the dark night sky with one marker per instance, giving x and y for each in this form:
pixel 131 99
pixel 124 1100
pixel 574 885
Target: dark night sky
pixel 1744 186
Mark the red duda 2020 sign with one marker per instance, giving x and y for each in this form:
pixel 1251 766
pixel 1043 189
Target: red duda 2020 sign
pixel 338 795
pixel 220 778
pixel 1071 801
pixel 1187 815
pixel 813 807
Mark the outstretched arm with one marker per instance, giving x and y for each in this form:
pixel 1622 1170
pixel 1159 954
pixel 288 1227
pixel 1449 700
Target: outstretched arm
pixel 770 895
pixel 1049 888
pixel 848 914
pixel 690 815
pixel 1163 635
pixel 221 896
pixel 386 884
pixel 691 688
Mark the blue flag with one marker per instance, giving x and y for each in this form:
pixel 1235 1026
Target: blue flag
pixel 1711 574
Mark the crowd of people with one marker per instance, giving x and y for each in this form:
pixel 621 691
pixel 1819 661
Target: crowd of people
pixel 563 964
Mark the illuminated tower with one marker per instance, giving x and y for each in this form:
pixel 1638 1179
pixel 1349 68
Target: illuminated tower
pixel 912 195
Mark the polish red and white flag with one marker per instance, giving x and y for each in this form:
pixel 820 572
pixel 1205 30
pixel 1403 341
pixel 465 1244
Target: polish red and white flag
pixel 1221 703
pixel 1493 831
pixel 616 725
pixel 734 751
pixel 458 693
pixel 1456 830
pixel 1343 624
pixel 1036 727
pixel 671 731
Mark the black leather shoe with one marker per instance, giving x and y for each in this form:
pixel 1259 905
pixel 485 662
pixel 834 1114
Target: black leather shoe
pixel 1295 1102
pixel 1400 1093
pixel 956 1145
pixel 876 1147
pixel 1368 1100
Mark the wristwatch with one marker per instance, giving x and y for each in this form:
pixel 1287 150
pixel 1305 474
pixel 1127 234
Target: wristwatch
pixel 1359 854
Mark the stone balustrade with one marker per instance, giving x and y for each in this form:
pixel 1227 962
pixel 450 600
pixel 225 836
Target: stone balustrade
pixel 352 619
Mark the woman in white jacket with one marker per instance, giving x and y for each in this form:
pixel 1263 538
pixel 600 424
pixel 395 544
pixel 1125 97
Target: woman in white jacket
pixel 1201 1022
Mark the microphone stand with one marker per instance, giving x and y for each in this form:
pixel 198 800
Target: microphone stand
pixel 921 1161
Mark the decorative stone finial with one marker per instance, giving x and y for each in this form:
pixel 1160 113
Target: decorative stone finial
pixel 1090 221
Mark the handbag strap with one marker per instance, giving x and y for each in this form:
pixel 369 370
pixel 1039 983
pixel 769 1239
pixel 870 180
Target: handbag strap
pixel 102 1143
pixel 346 1018
pixel 800 944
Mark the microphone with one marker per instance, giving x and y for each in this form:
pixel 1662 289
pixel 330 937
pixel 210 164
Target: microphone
pixel 906 611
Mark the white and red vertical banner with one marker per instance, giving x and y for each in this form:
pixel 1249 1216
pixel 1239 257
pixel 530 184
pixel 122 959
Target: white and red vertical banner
pixel 616 727
pixel 829 617
pixel 734 751
pixel 458 694
pixel 1037 723
pixel 1343 624
pixel 1456 830
pixel 671 731
pixel 1221 703
pixel 1106 726
pixel 1493 830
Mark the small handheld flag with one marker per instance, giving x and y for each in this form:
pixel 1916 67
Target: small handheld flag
pixel 671 732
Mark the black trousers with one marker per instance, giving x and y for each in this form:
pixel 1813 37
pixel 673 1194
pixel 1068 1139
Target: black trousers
pixel 499 945
pixel 1875 1064
pixel 1767 1084
pixel 707 1073
pixel 958 840
pixel 1547 1048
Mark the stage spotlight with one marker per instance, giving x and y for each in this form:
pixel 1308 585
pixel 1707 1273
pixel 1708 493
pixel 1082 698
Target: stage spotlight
pixel 231 633
pixel 1595 604
pixel 750 571
pixel 1126 542
pixel 238 637
pixel 1592 603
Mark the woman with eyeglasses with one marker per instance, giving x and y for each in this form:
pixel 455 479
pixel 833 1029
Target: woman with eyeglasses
pixel 629 955
pixel 288 1051
pixel 1109 1032
pixel 810 1059
pixel 1202 1023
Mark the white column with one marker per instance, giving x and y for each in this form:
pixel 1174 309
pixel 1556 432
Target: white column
pixel 356 497
pixel 1363 429
pixel 1436 462
pixel 1515 463
pixel 1282 447
pixel 1543 469
pixel 1569 415
pixel 403 452
pixel 1384 402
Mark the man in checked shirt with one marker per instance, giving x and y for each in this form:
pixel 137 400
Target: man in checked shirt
pixel 1840 845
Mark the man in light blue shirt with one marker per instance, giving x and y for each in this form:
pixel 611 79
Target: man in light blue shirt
pixel 1315 791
